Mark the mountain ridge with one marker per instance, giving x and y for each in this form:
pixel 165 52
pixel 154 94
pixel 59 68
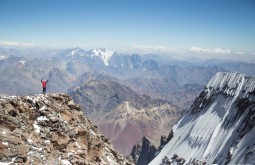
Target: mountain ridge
pixel 119 111
pixel 219 126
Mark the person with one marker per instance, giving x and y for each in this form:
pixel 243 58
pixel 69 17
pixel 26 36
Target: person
pixel 44 83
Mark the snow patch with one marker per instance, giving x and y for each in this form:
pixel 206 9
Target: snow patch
pixel 42 109
pixel 36 127
pixel 35 148
pixel 65 162
pixel 104 54
pixel 9 163
pixel 47 142
pixel 74 51
pixel 92 133
pixel 42 118
pixel 30 140
pixel 22 62
pixel 5 143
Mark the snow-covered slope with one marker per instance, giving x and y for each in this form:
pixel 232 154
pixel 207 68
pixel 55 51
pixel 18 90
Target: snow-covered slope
pixel 219 127
pixel 77 51
pixel 104 54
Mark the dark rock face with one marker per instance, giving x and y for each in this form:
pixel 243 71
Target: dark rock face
pixel 143 152
pixel 50 129
pixel 164 140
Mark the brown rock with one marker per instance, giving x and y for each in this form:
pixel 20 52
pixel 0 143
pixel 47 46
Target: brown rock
pixel 54 136
pixel 22 150
pixel 67 131
pixel 80 131
pixel 77 114
pixel 8 107
pixel 67 116
pixel 48 149
pixel 22 109
pixel 63 140
pixel 72 105
pixel 6 153
pixel 15 140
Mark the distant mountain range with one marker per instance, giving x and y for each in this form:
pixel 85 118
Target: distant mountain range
pixel 113 88
pixel 177 81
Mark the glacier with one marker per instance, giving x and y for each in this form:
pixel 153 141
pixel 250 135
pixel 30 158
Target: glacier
pixel 219 127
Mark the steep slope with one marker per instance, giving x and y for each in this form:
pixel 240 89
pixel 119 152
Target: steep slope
pixel 219 127
pixel 120 112
pixel 143 152
pixel 50 129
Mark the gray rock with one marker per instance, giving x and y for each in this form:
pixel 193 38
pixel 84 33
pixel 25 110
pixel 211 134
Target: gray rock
pixel 47 139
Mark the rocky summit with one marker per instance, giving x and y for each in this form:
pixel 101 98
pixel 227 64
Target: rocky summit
pixel 50 129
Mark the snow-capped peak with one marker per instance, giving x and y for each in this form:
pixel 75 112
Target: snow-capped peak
pixel 222 79
pixel 104 54
pixel 22 62
pixel 76 51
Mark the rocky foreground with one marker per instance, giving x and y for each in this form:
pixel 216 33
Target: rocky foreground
pixel 50 129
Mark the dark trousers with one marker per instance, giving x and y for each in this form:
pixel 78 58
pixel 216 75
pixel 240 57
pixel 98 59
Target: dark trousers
pixel 44 90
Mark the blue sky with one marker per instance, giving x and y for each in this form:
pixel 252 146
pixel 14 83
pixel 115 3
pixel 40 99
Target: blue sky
pixel 198 25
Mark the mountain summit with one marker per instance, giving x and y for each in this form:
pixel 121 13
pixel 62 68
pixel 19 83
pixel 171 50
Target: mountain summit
pixel 50 129
pixel 219 127
pixel 104 54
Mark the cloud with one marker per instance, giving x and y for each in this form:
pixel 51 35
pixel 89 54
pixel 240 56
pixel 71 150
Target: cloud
pixel 8 43
pixel 200 50
pixel 239 52
pixel 28 44
pixel 211 51
pixel 154 49
pixel 11 43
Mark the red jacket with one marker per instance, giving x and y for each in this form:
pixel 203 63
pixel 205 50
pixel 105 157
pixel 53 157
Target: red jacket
pixel 44 83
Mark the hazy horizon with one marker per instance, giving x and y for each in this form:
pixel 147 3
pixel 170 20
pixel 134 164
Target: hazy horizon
pixel 220 29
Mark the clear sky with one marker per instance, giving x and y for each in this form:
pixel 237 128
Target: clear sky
pixel 193 25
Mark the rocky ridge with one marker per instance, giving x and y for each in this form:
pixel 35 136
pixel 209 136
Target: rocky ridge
pixel 50 129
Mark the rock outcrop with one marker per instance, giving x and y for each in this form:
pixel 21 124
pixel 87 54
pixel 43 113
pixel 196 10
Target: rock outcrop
pixel 143 152
pixel 50 129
